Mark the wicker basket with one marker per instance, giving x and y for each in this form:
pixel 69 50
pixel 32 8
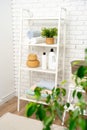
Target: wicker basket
pixel 49 40
pixel 76 64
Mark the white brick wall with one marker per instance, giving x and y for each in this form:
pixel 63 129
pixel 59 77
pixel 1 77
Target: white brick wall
pixel 76 35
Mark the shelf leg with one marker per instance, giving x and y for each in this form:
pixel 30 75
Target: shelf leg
pixel 18 106
pixel 63 119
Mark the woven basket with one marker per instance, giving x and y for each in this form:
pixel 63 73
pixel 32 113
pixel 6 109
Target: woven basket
pixel 76 64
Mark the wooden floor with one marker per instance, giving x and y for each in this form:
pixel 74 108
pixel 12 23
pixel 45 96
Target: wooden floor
pixel 11 106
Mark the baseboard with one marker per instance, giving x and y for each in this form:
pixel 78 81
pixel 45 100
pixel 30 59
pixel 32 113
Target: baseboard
pixel 7 97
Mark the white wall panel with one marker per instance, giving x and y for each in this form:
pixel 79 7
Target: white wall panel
pixel 6 50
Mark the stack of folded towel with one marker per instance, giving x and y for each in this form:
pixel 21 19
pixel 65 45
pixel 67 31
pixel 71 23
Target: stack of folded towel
pixel 34 37
pixel 33 33
pixel 37 40
pixel 48 86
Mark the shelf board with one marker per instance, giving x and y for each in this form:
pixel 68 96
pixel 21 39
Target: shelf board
pixel 23 97
pixel 38 69
pixel 44 45
pixel 43 18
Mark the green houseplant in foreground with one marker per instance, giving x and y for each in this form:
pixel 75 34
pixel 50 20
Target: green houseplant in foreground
pixel 47 114
pixel 76 120
pixel 49 33
pixel 55 100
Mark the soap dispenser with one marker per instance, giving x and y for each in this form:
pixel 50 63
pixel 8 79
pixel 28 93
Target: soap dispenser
pixel 52 60
pixel 44 61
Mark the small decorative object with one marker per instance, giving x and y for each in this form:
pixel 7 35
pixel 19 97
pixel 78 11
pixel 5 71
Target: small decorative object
pixel 32 57
pixel 32 61
pixel 49 33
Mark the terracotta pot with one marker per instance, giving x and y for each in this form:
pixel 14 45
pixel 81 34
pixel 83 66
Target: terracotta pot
pixel 50 40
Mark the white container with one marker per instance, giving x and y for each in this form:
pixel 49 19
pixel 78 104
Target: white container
pixel 52 60
pixel 44 61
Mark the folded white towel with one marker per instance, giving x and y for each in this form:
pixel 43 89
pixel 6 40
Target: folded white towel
pixel 31 92
pixel 46 84
pixel 37 40
pixel 32 34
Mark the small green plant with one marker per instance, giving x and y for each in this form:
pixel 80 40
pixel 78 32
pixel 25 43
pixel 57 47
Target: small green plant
pixel 49 32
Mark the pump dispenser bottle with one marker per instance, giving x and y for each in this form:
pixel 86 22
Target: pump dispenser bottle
pixel 44 61
pixel 52 60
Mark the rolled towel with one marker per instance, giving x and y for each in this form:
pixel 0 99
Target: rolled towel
pixel 45 84
pixel 31 92
pixel 37 40
pixel 32 34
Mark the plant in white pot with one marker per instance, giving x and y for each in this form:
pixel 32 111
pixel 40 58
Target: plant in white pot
pixel 49 33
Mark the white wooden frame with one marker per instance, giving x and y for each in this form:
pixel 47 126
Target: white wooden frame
pixel 42 45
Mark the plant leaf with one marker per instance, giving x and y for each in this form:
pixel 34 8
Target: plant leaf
pixel 81 71
pixel 47 128
pixel 48 99
pixel 74 93
pixel 75 114
pixel 48 120
pixel 63 91
pixel 30 109
pixel 41 112
pixel 82 123
pixel 57 91
pixel 72 125
pixel 37 92
pixel 49 32
pixel 68 104
pixel 84 85
pixel 63 82
pixel 79 95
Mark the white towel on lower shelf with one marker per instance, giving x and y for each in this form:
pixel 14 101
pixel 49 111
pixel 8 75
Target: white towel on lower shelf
pixel 46 84
pixel 29 92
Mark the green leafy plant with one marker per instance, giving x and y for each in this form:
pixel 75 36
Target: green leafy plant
pixel 56 104
pixel 49 32
pixel 47 114
pixel 76 120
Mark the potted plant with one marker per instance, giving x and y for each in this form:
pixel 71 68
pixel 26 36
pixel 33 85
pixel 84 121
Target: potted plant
pixel 49 33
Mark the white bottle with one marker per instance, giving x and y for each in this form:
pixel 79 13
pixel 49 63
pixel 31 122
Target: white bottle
pixel 52 60
pixel 44 61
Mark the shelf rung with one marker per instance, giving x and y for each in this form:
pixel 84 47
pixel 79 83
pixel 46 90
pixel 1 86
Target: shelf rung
pixel 32 100
pixel 38 70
